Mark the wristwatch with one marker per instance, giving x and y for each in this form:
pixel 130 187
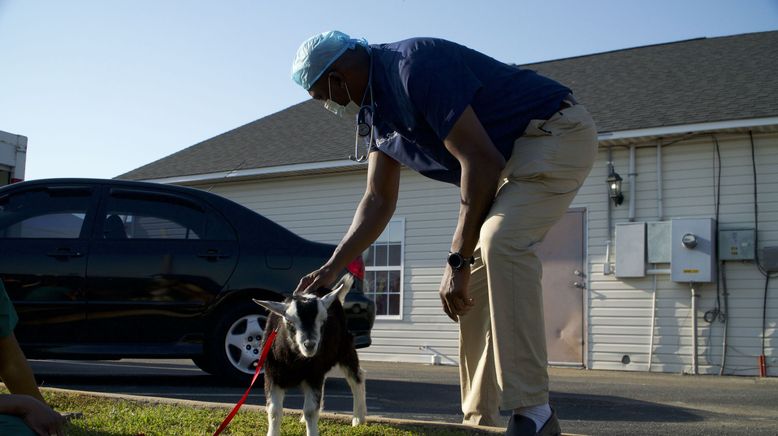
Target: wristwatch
pixel 457 261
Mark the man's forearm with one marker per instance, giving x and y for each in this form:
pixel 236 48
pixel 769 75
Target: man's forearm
pixel 370 219
pixel 478 188
pixel 15 372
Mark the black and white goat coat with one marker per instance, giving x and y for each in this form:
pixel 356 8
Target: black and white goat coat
pixel 312 339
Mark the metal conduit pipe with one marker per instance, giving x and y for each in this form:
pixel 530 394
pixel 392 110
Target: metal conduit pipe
pixel 726 317
pixel 694 329
pixel 653 321
pixel 632 175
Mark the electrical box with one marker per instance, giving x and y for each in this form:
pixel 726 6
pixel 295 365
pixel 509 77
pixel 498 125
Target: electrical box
pixel 631 250
pixel 692 244
pixel 736 244
pixel 659 235
pixel 770 259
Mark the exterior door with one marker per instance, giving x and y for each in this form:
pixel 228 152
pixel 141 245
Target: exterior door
pixel 43 257
pixel 157 260
pixel 562 255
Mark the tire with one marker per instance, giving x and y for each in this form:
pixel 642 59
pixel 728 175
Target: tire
pixel 204 364
pixel 234 348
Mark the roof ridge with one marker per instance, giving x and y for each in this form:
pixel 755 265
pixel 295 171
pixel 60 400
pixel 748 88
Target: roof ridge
pixel 682 41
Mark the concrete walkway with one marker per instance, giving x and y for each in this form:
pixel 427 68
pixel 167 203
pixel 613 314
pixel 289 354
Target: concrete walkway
pixel 587 402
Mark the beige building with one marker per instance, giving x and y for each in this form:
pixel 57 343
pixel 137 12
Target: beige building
pixel 685 124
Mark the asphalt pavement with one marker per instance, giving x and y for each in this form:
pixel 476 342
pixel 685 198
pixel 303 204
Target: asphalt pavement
pixel 587 401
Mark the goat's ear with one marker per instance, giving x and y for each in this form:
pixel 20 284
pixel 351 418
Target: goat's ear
pixel 343 286
pixel 273 306
pixel 328 299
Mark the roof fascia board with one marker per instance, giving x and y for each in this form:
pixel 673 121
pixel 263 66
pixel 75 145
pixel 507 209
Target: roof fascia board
pixel 602 137
pixel 687 128
pixel 250 172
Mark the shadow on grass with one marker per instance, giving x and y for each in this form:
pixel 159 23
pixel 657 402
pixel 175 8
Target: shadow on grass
pixel 390 398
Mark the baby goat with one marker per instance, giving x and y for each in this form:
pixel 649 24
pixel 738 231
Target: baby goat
pixel 312 339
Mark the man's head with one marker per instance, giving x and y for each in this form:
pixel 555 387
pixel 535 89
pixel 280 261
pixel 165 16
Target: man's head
pixel 333 66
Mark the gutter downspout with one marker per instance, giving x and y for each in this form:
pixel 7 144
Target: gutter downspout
pixel 606 268
pixel 659 198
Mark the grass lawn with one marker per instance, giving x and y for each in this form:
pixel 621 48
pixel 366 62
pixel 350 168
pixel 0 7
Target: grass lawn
pixel 111 416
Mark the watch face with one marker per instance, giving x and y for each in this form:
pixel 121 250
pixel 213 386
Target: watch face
pixel 455 260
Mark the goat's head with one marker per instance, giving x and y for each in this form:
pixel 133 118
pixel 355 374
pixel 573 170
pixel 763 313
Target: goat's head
pixel 304 316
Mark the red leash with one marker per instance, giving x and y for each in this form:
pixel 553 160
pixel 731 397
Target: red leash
pixel 261 362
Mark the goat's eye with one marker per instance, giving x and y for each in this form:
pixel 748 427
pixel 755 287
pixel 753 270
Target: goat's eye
pixel 290 326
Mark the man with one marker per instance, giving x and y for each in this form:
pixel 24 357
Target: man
pixel 23 411
pixel 518 146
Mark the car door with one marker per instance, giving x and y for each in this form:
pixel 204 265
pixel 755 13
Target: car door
pixel 43 256
pixel 158 259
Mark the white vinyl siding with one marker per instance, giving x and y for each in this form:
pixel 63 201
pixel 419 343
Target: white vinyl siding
pixel 617 311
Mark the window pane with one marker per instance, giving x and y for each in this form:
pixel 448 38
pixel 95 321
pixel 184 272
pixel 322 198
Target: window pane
pixel 152 219
pixel 394 281
pixel 394 255
pixel 380 282
pixel 41 214
pixel 381 308
pixel 369 256
pixel 370 283
pixel 55 225
pixel 381 255
pixel 394 304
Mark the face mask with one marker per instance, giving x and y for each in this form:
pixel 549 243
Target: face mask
pixel 351 109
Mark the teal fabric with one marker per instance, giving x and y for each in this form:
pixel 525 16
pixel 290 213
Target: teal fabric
pixel 8 317
pixel 13 425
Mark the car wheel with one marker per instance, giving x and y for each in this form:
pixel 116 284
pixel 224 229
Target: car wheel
pixel 234 349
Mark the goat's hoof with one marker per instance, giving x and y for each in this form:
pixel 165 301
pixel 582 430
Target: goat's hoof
pixel 357 421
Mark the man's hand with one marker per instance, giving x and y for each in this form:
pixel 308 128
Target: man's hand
pixel 322 277
pixel 453 292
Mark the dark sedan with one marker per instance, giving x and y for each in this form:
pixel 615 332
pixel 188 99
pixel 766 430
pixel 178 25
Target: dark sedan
pixel 107 269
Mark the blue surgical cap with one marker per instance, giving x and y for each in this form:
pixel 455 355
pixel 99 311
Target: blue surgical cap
pixel 317 53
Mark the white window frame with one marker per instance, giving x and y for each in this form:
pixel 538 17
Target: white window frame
pixel 399 316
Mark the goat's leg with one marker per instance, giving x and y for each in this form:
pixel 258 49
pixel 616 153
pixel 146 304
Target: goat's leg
pixel 321 400
pixel 311 408
pixel 274 399
pixel 355 376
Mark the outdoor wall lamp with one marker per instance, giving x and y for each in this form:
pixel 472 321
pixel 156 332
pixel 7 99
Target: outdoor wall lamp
pixel 614 185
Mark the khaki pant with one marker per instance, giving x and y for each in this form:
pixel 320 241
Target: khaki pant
pixel 502 339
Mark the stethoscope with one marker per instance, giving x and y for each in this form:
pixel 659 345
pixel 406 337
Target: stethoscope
pixel 364 130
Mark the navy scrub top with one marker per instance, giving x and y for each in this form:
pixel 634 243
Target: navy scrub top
pixel 421 86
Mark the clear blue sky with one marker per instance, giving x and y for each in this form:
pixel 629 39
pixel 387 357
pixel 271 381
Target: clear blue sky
pixel 102 87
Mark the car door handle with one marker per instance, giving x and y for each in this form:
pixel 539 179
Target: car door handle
pixel 64 252
pixel 213 254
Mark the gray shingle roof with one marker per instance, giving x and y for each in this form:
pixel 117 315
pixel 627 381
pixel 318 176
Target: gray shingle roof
pixel 694 81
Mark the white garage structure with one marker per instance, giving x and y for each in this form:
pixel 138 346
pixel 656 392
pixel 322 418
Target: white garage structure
pixel 678 121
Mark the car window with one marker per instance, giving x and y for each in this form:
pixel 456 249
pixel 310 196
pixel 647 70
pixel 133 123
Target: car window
pixel 138 218
pixel 44 214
